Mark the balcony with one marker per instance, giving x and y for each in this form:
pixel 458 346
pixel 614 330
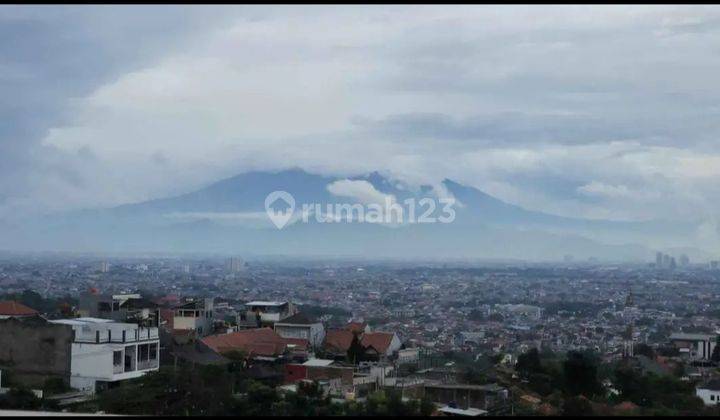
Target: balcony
pixel 147 364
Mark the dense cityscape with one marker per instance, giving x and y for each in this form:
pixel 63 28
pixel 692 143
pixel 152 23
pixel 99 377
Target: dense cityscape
pixel 462 338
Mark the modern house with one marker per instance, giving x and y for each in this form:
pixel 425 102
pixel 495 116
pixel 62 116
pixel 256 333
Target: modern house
pixel 268 313
pixel 193 315
pixel 709 392
pixel 86 353
pixel 301 326
pixel 104 352
pixel 120 308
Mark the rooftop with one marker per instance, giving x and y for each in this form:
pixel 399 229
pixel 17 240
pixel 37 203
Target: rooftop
pixel 12 308
pixel 265 303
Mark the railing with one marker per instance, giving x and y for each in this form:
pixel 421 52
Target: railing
pixel 127 336
pixel 147 364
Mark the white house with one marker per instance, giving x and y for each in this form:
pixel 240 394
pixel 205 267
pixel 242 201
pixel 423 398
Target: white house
pixel 196 315
pixel 710 392
pixel 272 311
pixel 104 351
pixel 300 326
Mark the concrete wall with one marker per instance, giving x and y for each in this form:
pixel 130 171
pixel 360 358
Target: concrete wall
pixel 709 397
pixel 34 350
pixel 314 333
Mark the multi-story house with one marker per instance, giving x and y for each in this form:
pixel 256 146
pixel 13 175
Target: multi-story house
pixel 192 315
pixel 86 353
pixel 301 326
pixel 121 308
pixel 262 313
pixel 104 352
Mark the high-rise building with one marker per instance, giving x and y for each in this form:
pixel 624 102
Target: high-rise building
pixel 104 267
pixel 659 260
pixel 684 260
pixel 235 265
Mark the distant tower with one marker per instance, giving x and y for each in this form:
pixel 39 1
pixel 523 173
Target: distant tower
pixel 684 260
pixel 104 267
pixel 629 300
pixel 659 260
pixel 628 347
pixel 628 350
pixel 234 265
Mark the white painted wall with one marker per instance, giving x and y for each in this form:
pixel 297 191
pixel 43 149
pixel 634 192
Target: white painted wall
pixel 708 396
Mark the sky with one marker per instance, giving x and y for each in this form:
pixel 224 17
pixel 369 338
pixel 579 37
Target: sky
pixel 605 112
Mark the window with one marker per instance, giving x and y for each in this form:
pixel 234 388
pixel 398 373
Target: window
pixel 153 351
pixel 117 358
pixel 143 352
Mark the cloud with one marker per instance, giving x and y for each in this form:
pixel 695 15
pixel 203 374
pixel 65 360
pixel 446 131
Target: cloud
pixel 362 191
pixel 569 110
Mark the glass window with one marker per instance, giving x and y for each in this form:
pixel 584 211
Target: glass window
pixel 153 351
pixel 117 358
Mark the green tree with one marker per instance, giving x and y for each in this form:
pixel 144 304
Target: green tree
pixel 528 363
pixel 356 351
pixel 577 407
pixel 580 374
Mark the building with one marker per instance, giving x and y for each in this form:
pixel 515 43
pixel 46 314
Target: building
pixel 104 352
pixel 234 265
pixel 694 346
pixel 195 315
pixel 709 392
pixel 12 309
pixel 268 312
pixel 380 345
pixel 120 308
pixel 86 353
pixel 34 350
pixel 301 326
pixel 261 342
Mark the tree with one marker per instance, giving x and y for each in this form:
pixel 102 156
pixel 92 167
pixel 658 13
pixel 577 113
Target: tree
pixel 716 351
pixel 580 374
pixel 528 363
pixel 645 350
pixel 356 351
pixel 577 407
pixel 19 399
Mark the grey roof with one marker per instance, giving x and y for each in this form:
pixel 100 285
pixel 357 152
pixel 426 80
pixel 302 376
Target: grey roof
pixel 692 336
pixel 298 319
pixel 713 385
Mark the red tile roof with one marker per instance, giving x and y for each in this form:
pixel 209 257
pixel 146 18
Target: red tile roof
pixel 260 341
pixel 380 341
pixel 339 340
pixel 356 327
pixel 12 308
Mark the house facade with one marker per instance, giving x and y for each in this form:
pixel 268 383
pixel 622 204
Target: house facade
pixel 104 352
pixel 303 327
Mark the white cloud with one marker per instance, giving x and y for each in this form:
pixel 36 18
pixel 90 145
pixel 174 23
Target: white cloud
pixel 571 110
pixel 360 190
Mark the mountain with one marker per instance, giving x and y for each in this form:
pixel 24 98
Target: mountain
pixel 229 217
